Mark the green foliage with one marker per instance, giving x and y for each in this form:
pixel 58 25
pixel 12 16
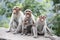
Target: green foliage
pixel 38 8
pixel 4 23
pixel 57 25
pixel 56 2
pixel 2 10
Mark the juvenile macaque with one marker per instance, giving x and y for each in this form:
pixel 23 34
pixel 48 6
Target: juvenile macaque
pixel 29 22
pixel 42 25
pixel 16 18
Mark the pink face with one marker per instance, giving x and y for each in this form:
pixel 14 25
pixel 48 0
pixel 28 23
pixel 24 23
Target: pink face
pixel 28 14
pixel 42 18
pixel 16 10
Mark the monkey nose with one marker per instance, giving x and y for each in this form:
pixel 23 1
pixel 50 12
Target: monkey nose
pixel 27 12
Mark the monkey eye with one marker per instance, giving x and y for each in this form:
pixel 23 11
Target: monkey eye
pixel 14 9
pixel 27 11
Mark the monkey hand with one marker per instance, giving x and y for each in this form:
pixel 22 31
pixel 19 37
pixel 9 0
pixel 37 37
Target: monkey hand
pixel 26 22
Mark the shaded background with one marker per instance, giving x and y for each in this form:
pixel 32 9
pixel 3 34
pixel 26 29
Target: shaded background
pixel 50 8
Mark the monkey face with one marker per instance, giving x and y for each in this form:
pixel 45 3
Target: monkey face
pixel 28 14
pixel 16 10
pixel 42 18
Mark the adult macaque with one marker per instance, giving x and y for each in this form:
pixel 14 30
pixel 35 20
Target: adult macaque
pixel 29 22
pixel 42 26
pixel 16 19
pixel 43 29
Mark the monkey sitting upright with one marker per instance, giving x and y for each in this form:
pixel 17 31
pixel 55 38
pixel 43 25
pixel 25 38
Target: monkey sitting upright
pixel 29 23
pixel 42 26
pixel 16 18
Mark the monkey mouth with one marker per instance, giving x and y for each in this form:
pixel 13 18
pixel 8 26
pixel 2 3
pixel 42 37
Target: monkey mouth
pixel 41 20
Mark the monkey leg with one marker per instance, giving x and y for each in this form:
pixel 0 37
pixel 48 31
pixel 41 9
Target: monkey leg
pixel 23 29
pixel 49 31
pixel 14 26
pixel 10 28
pixel 48 34
pixel 29 28
pixel 34 29
pixel 18 29
pixel 40 30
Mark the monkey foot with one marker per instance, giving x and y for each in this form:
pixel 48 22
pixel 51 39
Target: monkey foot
pixel 35 36
pixel 28 34
pixel 8 31
pixel 15 33
pixel 51 37
pixel 22 33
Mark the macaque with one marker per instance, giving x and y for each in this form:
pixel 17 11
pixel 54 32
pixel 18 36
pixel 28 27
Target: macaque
pixel 16 19
pixel 42 27
pixel 28 23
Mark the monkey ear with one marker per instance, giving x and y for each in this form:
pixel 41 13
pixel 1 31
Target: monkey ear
pixel 14 7
pixel 44 16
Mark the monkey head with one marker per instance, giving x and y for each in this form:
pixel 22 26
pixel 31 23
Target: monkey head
pixel 42 18
pixel 28 13
pixel 16 10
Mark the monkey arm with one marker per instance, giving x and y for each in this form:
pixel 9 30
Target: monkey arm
pixel 12 19
pixel 49 31
pixel 45 26
pixel 26 22
pixel 33 17
pixel 46 29
pixel 11 22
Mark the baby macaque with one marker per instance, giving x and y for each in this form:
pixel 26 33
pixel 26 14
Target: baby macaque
pixel 16 18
